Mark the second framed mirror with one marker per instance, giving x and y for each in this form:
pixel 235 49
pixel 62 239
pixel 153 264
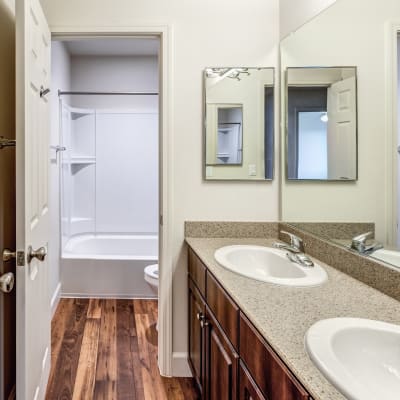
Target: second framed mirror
pixel 321 123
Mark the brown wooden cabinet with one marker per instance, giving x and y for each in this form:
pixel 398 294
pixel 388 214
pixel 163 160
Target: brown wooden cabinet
pixel 229 358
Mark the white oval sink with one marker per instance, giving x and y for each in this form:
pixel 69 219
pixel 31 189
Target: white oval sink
pixel 360 357
pixel 269 265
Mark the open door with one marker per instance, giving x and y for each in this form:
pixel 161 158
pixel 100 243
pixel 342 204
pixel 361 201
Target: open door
pixel 32 214
pixel 342 122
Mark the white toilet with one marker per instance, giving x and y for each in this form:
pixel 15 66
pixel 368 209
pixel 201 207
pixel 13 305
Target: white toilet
pixel 151 276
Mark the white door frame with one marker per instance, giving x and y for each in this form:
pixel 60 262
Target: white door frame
pixel 392 30
pixel 164 32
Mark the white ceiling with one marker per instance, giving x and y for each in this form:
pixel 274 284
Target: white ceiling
pixel 113 47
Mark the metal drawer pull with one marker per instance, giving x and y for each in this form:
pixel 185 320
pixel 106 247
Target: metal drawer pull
pixel 40 254
pixel 204 323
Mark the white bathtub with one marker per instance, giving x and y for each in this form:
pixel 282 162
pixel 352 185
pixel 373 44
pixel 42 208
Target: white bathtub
pixel 107 265
pixel 112 247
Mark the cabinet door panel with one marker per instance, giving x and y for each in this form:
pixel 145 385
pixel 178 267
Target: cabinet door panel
pixel 196 335
pixel 248 389
pixel 222 364
pixel 272 376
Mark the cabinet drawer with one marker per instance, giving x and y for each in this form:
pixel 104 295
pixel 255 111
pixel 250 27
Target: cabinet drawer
pixel 268 371
pixel 197 271
pixel 225 310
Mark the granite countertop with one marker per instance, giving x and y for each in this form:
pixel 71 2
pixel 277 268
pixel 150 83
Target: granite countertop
pixel 283 315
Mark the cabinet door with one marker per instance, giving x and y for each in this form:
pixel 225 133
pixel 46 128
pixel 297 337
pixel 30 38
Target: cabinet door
pixel 248 389
pixel 274 379
pixel 196 335
pixel 222 364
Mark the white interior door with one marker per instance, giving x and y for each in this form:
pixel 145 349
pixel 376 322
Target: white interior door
pixel 342 122
pixel 32 164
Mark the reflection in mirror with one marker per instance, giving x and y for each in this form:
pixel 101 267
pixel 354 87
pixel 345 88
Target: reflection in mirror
pixel 321 123
pixel 373 45
pixel 229 135
pixel 349 235
pixel 239 123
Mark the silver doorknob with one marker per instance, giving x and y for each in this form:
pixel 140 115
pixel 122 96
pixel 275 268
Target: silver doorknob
pixel 7 282
pixel 40 254
pixel 9 254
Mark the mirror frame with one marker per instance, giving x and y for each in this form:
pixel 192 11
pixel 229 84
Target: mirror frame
pixel 204 129
pixel 285 119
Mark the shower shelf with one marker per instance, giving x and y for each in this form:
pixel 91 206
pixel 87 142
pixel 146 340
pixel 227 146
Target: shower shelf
pixel 80 219
pixel 83 160
pixel 80 112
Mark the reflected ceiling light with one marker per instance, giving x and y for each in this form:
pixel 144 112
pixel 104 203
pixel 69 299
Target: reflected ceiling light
pixel 233 73
pixel 324 117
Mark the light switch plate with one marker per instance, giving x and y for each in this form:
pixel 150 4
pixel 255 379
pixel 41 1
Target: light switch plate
pixel 252 170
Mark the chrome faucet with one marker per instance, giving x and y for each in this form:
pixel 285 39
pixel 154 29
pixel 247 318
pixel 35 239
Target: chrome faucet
pixel 359 244
pixel 295 250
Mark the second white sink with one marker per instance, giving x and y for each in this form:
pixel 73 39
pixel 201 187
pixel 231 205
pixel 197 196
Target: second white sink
pixel 269 265
pixel 360 357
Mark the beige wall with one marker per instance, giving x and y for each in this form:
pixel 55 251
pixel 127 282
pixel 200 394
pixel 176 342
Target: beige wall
pixel 359 42
pixel 205 33
pixel 294 13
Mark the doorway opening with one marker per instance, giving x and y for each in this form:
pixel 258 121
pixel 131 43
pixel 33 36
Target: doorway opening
pixel 105 175
pixel 106 170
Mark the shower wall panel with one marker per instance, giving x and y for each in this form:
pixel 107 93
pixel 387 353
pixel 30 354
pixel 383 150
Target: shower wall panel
pixel 126 172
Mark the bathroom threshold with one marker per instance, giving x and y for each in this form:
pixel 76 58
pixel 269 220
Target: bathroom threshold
pixel 107 349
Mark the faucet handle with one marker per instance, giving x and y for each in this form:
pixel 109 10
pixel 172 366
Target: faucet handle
pixel 362 238
pixel 295 241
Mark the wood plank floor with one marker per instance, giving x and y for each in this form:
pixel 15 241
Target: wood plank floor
pixel 107 349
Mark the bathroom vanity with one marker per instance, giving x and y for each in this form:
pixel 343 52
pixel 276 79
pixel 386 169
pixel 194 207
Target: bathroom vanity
pixel 228 356
pixel 246 337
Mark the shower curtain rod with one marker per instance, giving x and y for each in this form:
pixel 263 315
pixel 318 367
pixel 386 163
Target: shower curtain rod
pixel 61 93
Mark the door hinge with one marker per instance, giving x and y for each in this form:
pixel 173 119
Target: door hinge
pixel 4 142
pixel 161 220
pixel 20 258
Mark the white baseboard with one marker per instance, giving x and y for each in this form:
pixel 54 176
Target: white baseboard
pixel 55 299
pixel 180 365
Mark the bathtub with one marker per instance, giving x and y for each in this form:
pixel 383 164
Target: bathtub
pixel 107 265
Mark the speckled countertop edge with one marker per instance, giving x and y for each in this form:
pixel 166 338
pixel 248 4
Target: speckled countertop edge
pixel 283 315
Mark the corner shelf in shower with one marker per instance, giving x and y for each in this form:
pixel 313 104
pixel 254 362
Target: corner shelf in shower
pixel 83 160
pixel 80 112
pixel 81 219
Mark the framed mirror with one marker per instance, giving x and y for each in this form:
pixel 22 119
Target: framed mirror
pixel 321 123
pixel 238 123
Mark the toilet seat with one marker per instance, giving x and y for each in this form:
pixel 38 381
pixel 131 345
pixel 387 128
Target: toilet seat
pixel 151 274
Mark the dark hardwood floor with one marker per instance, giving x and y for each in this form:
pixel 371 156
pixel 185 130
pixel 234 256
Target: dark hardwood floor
pixel 107 349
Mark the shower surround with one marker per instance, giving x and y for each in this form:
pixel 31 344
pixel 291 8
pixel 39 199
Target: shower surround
pixel 109 200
